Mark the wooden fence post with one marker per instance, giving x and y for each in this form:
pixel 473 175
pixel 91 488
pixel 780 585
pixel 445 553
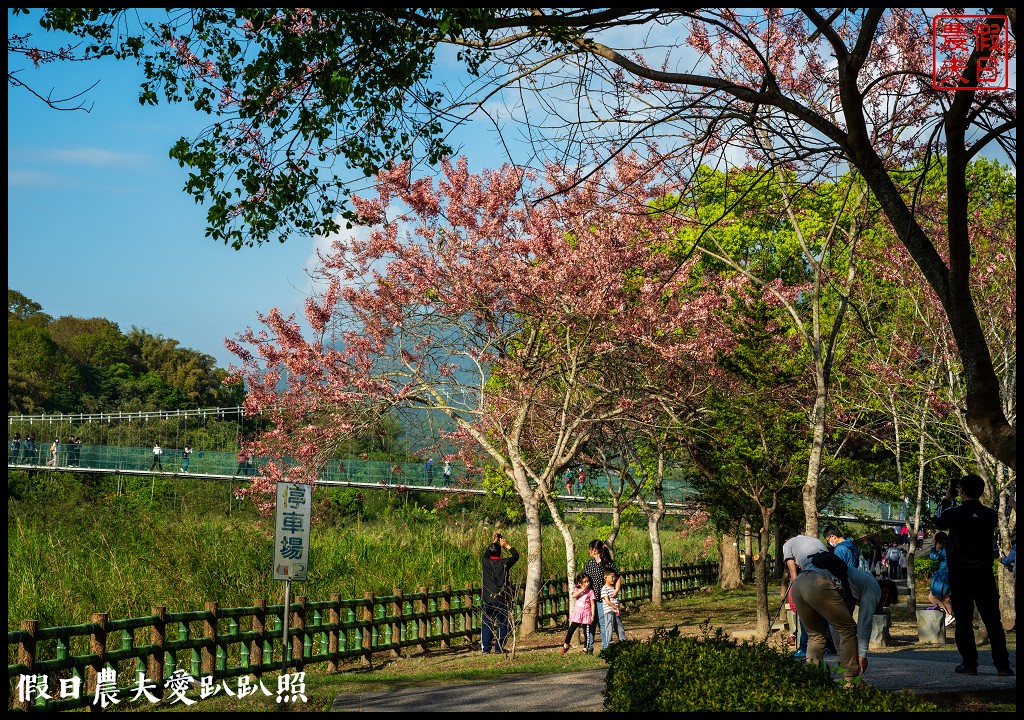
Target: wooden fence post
pixel 422 624
pixel 299 634
pixel 210 639
pixel 27 657
pixel 158 638
pixel 97 647
pixel 367 644
pixel 259 626
pixel 446 617
pixel 470 606
pixel 397 610
pixel 333 618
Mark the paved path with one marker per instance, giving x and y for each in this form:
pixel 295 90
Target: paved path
pixel 922 671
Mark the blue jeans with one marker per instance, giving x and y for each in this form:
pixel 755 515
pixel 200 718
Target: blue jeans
pixel 612 622
pixel 600 625
pixel 495 618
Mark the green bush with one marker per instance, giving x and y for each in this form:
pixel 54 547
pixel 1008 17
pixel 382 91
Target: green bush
pixel 715 673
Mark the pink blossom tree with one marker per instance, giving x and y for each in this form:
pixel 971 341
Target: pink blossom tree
pixel 837 88
pixel 514 309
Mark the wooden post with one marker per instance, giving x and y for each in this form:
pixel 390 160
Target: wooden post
pixel 27 656
pixel 396 627
pixel 210 639
pixel 368 630
pixel 299 636
pixel 333 618
pixel 259 626
pixel 446 617
pixel 422 623
pixel 470 610
pixel 157 638
pixel 97 647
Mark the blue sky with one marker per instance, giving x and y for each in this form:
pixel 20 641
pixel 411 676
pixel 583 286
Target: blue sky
pixel 98 224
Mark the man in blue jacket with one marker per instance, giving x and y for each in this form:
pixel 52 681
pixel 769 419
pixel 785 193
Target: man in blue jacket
pixel 843 547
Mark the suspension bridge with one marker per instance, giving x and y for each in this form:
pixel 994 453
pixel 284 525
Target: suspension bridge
pixel 121 443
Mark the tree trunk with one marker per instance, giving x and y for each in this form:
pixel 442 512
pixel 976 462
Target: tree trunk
pixel 729 562
pixel 814 461
pixel 748 551
pixel 654 533
pixel 567 539
pixel 764 621
pixel 534 543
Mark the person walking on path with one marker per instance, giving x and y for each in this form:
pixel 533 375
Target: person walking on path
pixel 30 449
pixel 243 464
pixel 54 450
pixel 446 474
pixel 938 589
pixel 969 556
pixel 611 607
pixel 429 467
pixel 498 594
pixel 581 616
pixel 568 481
pixel 157 452
pixel 820 604
pixel 186 456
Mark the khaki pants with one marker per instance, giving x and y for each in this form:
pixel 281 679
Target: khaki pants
pixel 817 597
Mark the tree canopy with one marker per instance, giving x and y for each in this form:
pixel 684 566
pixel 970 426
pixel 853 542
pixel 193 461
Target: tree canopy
pixel 297 94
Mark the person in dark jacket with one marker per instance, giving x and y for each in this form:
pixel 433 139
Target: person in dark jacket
pixel 971 527
pixel 498 593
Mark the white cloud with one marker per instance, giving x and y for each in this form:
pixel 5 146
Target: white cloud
pixel 95 157
pixel 31 178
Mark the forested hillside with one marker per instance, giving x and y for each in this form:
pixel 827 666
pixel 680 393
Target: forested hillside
pixel 89 365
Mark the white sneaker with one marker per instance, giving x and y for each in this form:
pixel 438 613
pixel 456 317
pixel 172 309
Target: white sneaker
pixel 950 620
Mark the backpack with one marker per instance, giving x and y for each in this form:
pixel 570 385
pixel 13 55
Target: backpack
pixel 893 555
pixel 827 560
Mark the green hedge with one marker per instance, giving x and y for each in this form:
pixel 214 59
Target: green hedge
pixel 715 673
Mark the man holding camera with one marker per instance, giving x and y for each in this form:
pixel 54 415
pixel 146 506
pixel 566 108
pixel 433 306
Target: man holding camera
pixel 498 593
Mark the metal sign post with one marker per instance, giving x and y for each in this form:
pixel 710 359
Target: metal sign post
pixel 291 547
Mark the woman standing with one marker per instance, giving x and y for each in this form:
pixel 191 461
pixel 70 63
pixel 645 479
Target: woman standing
pixel 939 588
pixel 600 561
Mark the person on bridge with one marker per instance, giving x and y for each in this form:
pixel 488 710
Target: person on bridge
pixel 498 594
pixel 157 452
pixel 54 451
pixel 429 467
pixel 446 474
pixel 14 455
pixel 186 455
pixel 969 556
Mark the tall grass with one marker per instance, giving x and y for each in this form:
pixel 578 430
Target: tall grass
pixel 79 545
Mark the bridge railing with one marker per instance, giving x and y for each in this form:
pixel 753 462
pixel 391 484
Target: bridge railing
pixel 106 661
pixel 225 464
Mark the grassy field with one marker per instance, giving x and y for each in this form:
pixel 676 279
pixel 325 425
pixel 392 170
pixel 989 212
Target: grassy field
pixel 79 545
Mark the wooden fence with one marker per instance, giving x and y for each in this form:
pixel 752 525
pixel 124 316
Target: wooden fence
pixel 64 668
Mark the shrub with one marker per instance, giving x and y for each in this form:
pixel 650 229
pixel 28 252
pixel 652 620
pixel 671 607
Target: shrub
pixel 715 673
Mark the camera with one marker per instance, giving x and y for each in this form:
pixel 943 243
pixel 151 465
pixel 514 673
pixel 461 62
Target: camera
pixel 497 536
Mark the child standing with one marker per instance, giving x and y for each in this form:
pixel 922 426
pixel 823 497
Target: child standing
pixel 610 606
pixel 582 613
